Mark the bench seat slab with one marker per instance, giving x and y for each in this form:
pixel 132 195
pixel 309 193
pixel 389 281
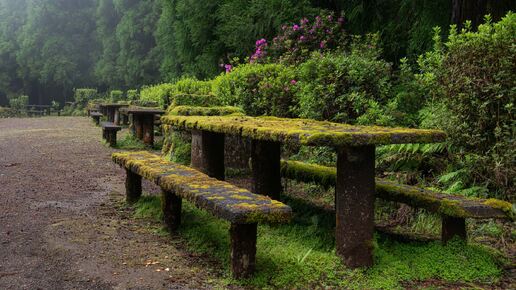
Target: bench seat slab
pixel 221 199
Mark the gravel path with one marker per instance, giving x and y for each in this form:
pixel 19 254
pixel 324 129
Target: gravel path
pixel 62 220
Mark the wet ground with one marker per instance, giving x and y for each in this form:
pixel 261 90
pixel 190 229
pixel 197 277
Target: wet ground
pixel 62 220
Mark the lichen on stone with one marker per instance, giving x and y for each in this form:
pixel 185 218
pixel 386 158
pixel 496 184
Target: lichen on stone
pixel 218 197
pixel 446 204
pixel 304 131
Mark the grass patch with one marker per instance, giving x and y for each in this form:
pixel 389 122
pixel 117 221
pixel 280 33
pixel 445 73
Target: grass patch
pixel 302 254
pixel 130 142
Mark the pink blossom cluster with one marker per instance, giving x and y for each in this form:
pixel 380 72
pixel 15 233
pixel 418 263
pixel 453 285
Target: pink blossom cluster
pixel 297 41
pixel 260 51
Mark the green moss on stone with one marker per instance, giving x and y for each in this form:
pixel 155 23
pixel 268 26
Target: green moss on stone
pixel 218 197
pixel 451 205
pixel 205 111
pixel 304 131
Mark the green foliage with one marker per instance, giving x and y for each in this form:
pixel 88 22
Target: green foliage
pixel 345 87
pixel 130 142
pixel 177 147
pixel 159 93
pixel 83 96
pixel 116 96
pixel 137 62
pixel 302 254
pixel 475 76
pixel 132 95
pixel 295 43
pixel 241 23
pixel 164 94
pixel 19 104
pixel 260 89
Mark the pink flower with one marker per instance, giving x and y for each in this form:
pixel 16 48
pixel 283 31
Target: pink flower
pixel 261 42
pixel 302 38
pixel 293 82
pixel 322 44
pixel 295 27
pixel 228 68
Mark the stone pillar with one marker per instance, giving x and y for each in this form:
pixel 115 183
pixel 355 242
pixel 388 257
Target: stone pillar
pixel 208 153
pixel 354 205
pixel 148 129
pixel 133 186
pixel 266 167
pixel 171 205
pixel 243 249
pixel 138 126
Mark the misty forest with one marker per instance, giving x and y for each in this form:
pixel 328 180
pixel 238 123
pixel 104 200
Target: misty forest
pixel 245 144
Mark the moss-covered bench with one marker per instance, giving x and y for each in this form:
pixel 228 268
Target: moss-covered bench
pixel 453 209
pixel 109 131
pixel 96 117
pixel 243 209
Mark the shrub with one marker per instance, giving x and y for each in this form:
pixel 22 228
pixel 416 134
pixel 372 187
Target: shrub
pixel 163 93
pixel 295 42
pixel 474 76
pixel 260 89
pixel 116 96
pixel 158 93
pixel 83 96
pixel 19 104
pixel 344 87
pixel 132 95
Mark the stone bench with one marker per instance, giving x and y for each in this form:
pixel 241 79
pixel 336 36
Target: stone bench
pixel 453 209
pixel 96 117
pixel 243 209
pixel 109 131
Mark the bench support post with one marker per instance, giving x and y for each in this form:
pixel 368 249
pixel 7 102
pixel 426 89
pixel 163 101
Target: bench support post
pixel 148 129
pixel 266 168
pixel 354 204
pixel 133 187
pixel 111 137
pixel 171 205
pixel 243 249
pixel 208 153
pixel 451 227
pixel 138 128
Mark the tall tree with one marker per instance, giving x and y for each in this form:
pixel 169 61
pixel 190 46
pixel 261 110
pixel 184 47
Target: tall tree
pixel 138 60
pixel 106 70
pixel 170 68
pixel 12 17
pixel 56 47
pixel 474 10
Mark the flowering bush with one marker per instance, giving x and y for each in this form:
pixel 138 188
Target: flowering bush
pixel 295 43
pixel 260 89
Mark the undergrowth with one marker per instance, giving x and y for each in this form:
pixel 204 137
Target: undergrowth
pixel 302 254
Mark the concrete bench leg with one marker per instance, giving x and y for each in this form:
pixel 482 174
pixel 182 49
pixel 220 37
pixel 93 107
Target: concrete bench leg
pixel 133 187
pixel 208 153
pixel 243 249
pixel 171 205
pixel 112 137
pixel 266 167
pixel 451 227
pixel 354 205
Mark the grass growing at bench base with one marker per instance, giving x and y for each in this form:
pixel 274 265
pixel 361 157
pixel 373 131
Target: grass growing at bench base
pixel 130 142
pixel 302 254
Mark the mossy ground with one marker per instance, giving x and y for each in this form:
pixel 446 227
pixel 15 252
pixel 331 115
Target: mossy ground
pixel 302 254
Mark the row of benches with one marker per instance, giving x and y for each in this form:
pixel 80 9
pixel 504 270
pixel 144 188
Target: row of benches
pixel 244 210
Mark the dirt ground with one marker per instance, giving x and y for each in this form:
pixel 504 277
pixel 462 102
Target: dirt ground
pixel 61 223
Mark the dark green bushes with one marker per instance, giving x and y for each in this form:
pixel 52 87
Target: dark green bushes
pixel 260 89
pixel 83 96
pixel 344 86
pixel 473 76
